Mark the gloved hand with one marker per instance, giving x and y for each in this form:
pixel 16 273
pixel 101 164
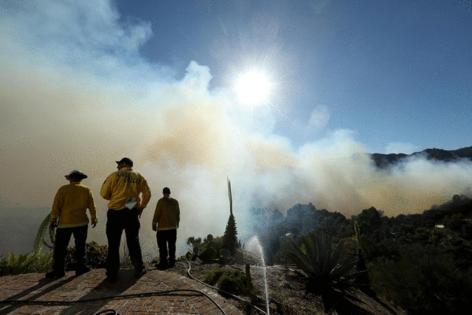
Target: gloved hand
pixel 94 222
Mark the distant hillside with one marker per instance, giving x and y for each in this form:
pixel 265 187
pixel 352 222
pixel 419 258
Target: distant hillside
pixel 387 160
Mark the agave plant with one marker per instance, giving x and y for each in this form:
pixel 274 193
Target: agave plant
pixel 328 265
pixel 24 263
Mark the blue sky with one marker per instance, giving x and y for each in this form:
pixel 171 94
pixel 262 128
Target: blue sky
pixel 391 71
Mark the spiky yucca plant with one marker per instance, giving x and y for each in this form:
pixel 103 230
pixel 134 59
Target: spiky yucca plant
pixel 230 238
pixel 327 265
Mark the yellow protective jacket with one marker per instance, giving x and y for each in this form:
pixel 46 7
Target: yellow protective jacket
pixel 70 205
pixel 167 214
pixel 123 185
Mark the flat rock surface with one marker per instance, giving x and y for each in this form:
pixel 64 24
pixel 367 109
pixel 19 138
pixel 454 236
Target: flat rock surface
pixel 93 285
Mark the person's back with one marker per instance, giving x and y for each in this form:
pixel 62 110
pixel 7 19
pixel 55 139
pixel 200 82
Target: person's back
pixel 167 214
pixel 71 203
pixel 123 185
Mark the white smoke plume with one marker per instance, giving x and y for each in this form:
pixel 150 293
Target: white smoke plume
pixel 75 93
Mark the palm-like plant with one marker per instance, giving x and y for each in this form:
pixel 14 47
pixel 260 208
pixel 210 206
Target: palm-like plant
pixel 34 261
pixel 326 264
pixel 24 263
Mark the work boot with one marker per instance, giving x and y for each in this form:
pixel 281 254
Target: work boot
pixel 162 265
pixel 112 277
pixel 81 270
pixel 54 275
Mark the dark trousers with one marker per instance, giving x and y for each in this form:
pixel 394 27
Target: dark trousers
pixel 63 236
pixel 166 239
pixel 117 221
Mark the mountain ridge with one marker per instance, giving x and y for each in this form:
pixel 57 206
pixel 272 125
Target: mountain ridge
pixel 435 154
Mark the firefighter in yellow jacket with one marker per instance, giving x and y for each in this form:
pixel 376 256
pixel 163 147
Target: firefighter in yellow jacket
pixel 128 194
pixel 166 221
pixel 68 214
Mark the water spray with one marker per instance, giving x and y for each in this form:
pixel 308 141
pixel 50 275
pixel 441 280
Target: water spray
pixel 254 245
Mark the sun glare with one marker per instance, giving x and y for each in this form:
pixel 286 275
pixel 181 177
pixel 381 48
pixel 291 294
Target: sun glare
pixel 253 88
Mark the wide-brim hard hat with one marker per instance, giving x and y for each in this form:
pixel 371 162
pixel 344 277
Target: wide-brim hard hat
pixel 75 174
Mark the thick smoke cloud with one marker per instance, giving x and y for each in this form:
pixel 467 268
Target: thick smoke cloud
pixel 75 93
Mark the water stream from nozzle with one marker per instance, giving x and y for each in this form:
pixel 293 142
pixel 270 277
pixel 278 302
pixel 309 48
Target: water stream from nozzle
pixel 254 246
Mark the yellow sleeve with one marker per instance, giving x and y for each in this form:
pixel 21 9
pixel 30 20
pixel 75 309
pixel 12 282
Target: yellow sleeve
pixel 157 212
pixel 57 205
pixel 91 205
pixel 105 191
pixel 146 193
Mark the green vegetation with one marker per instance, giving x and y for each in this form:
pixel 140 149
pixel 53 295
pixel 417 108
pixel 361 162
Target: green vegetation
pixel 423 283
pixel 230 238
pixel 13 264
pixel 327 265
pixel 420 262
pixel 230 280
pixel 96 256
pixel 207 251
pixel 211 250
pixel 40 261
pixel 35 261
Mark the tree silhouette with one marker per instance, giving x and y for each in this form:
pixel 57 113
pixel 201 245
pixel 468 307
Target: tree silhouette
pixel 230 238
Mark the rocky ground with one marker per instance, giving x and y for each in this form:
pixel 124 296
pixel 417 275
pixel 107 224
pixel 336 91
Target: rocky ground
pixel 287 293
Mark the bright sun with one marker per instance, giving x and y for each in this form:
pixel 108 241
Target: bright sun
pixel 253 88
